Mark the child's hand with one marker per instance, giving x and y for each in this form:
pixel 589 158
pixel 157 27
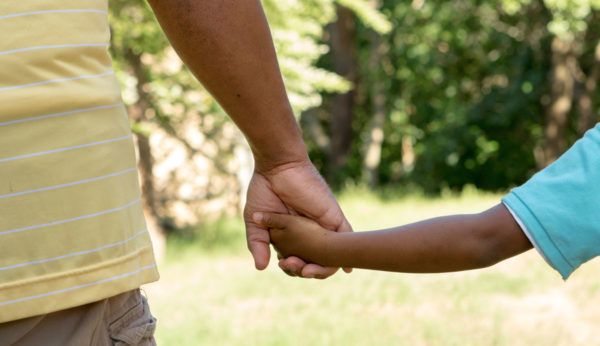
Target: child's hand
pixel 298 236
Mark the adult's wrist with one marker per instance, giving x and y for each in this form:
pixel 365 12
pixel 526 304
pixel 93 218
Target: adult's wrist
pixel 280 159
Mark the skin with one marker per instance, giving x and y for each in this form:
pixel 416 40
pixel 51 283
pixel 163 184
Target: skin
pixel 228 47
pixel 444 244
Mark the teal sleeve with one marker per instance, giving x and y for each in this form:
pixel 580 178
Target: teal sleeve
pixel 560 205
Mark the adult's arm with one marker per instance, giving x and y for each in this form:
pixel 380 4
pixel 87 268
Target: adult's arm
pixel 228 47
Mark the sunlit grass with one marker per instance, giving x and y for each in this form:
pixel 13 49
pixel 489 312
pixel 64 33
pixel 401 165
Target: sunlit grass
pixel 211 294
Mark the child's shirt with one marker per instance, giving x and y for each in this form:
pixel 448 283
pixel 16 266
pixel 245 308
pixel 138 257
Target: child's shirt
pixel 559 207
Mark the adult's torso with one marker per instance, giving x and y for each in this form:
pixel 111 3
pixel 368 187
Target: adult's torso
pixel 71 225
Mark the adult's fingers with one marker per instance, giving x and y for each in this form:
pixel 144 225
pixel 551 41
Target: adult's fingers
pixel 318 272
pixel 295 266
pixel 258 244
pixel 292 265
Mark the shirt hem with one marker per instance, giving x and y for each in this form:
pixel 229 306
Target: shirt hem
pixel 546 246
pixel 87 286
pixel 527 233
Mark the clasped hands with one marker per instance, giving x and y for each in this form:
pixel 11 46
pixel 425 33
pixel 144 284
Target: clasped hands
pixel 295 189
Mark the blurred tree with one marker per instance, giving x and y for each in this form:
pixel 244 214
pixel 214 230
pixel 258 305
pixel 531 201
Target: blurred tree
pixel 373 143
pixel 570 26
pixel 449 81
pixel 344 60
pixel 343 51
pixel 467 89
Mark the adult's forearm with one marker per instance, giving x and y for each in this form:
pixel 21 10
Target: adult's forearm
pixel 228 47
pixel 442 244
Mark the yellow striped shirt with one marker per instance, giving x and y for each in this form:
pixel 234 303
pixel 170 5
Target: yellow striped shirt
pixel 71 224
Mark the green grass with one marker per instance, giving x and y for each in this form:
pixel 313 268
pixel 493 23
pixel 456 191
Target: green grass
pixel 210 294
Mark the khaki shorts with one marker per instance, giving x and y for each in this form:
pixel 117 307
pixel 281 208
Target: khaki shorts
pixel 121 320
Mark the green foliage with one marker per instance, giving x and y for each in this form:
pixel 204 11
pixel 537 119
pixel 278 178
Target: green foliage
pixel 569 16
pixel 466 85
pixel 368 15
pixel 512 7
pixel 133 26
pixel 297 27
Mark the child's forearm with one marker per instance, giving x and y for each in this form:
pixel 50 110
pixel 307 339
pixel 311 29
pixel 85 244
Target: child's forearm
pixel 442 244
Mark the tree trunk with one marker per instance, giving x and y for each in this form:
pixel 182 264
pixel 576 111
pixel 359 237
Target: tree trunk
pixel 311 122
pixel 563 81
pixel 145 164
pixel 345 64
pixel 408 153
pixel 585 101
pixel 372 147
pixel 145 160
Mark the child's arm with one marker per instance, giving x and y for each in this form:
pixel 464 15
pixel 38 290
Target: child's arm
pixel 443 244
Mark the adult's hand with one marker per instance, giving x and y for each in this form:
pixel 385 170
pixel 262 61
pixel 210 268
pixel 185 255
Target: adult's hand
pixel 295 188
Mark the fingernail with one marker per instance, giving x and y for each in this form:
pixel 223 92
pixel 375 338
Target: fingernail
pixel 258 217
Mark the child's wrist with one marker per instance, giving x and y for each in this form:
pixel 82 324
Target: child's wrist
pixel 333 249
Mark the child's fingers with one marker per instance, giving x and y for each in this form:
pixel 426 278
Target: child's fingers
pixel 272 220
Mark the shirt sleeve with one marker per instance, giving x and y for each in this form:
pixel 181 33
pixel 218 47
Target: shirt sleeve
pixel 527 233
pixel 560 206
